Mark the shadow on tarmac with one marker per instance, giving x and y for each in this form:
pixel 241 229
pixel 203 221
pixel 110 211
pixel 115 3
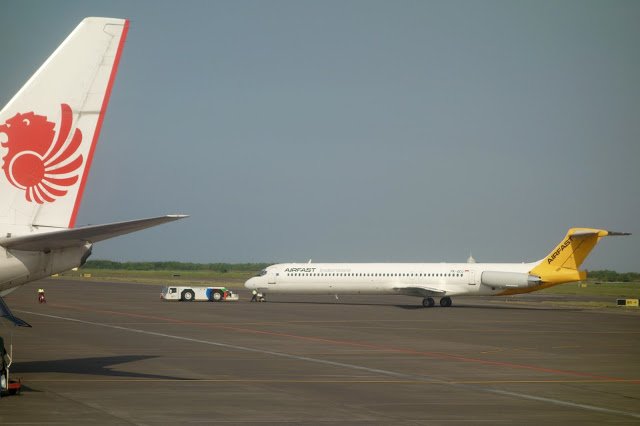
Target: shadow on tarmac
pixel 420 307
pixel 102 366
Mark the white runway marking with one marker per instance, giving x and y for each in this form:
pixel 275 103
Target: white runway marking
pixel 390 373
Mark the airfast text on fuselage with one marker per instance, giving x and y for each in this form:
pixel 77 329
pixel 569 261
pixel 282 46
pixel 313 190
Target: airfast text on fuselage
pixel 300 270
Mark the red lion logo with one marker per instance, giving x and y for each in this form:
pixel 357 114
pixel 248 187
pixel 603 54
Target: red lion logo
pixel 34 163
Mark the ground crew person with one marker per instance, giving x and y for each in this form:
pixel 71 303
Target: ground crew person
pixel 41 297
pixel 254 298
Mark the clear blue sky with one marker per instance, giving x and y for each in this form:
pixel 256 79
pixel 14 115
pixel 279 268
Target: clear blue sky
pixel 359 130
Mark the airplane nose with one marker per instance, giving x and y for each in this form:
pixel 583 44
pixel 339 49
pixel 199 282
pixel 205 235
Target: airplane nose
pixel 250 284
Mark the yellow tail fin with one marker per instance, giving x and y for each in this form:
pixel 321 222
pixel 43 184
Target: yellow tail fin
pixel 561 265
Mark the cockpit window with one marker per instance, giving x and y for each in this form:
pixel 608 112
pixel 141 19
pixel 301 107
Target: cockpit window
pixel 261 273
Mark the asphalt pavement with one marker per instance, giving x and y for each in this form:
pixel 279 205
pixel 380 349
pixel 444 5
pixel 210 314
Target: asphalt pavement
pixel 114 353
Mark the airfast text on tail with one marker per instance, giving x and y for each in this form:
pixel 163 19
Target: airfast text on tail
pixel 562 264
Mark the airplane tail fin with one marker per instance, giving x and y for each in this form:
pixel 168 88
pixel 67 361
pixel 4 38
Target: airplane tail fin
pixel 563 263
pixel 49 129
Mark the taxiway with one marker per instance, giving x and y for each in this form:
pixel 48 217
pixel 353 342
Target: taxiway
pixel 114 353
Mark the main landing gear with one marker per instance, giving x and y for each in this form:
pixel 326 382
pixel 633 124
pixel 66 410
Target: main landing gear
pixel 428 302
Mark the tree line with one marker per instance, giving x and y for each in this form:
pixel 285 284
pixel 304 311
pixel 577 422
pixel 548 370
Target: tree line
pixel 613 276
pixel 175 266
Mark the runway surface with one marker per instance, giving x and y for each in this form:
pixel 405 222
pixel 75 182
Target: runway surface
pixel 113 353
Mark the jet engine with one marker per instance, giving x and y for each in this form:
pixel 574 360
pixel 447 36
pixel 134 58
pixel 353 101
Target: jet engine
pixel 501 279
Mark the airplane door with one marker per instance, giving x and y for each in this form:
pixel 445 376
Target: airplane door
pixel 472 278
pixel 271 277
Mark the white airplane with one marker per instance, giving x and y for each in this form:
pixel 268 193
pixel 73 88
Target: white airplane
pixel 48 134
pixel 429 280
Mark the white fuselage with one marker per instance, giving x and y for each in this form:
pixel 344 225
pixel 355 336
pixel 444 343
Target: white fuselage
pixel 416 279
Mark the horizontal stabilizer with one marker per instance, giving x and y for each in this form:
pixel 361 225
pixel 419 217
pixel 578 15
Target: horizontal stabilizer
pixel 6 313
pixel 599 232
pixel 79 236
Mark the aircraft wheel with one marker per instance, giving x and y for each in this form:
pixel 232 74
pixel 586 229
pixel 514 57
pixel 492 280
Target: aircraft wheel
pixel 428 302
pixel 188 295
pixel 216 296
pixel 445 302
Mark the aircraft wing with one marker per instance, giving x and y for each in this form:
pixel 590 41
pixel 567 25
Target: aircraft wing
pixel 78 236
pixel 420 291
